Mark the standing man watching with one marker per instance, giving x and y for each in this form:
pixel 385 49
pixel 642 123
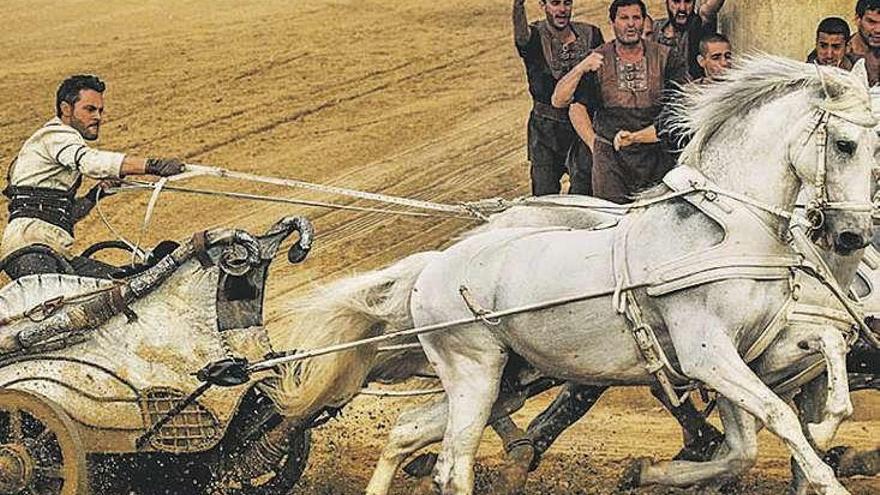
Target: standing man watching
pixel 549 49
pixel 624 95
pixel 866 43
pixel 684 26
pixel 715 57
pixel 43 180
pixel 832 36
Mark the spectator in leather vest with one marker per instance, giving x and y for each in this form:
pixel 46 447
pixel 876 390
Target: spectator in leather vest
pixel 44 177
pixel 685 26
pixel 549 49
pixel 832 36
pixel 866 42
pixel 624 98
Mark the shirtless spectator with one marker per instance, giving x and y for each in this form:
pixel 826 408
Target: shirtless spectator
pixel 866 43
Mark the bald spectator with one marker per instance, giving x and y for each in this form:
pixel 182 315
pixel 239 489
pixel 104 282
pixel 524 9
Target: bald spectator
pixel 831 40
pixel 715 57
pixel 866 43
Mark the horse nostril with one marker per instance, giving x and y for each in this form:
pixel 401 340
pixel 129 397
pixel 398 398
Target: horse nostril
pixel 850 241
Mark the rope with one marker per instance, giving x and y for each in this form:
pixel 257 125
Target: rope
pixel 138 185
pixel 118 235
pixel 383 198
pixel 400 347
pixel 300 356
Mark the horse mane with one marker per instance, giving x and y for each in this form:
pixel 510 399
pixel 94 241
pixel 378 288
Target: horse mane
pixel 701 110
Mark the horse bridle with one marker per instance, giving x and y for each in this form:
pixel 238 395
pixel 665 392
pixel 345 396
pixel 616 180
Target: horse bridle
pixel 821 203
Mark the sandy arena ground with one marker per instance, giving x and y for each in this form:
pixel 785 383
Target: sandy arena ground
pixel 423 99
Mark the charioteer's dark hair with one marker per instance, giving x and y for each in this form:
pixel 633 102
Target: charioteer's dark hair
pixel 70 88
pixel 863 6
pixel 834 25
pixel 617 4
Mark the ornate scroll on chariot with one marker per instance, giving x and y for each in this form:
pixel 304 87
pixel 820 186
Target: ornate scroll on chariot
pixel 99 375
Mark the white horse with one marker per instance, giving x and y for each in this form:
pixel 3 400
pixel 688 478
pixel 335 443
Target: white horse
pixel 740 145
pixel 800 348
pixel 659 262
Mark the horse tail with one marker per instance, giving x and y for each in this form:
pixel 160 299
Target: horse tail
pixel 351 309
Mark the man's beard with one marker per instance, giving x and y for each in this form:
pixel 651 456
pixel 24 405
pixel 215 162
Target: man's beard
pixel 626 42
pixel 84 131
pixel 672 20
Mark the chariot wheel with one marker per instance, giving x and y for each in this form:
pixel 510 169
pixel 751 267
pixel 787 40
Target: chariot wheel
pixel 282 476
pixel 40 449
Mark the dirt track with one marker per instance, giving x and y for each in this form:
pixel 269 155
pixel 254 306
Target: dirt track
pixel 423 99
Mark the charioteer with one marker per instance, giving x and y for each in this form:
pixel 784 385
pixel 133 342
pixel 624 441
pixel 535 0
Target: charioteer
pixel 43 180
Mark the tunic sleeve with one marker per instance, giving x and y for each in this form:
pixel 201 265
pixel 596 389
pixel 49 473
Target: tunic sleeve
pixel 67 148
pixel 532 49
pixel 587 92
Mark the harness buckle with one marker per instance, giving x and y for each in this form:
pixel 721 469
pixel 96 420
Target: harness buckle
pixel 816 217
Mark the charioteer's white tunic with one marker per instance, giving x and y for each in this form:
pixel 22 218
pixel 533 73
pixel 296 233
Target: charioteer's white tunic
pixel 55 157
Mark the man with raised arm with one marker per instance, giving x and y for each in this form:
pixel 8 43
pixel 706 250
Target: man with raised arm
pixel 624 97
pixel 684 26
pixel 549 49
pixel 43 179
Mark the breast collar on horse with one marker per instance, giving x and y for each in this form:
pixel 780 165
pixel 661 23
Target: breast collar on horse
pixel 726 261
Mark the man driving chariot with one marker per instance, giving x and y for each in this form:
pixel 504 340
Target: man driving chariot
pixel 44 177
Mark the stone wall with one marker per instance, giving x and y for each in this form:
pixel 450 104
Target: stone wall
pixel 782 27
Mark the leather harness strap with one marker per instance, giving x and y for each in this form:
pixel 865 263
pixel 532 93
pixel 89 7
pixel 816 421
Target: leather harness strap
pixel 200 243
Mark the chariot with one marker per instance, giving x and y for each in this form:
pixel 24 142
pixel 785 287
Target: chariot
pixel 101 375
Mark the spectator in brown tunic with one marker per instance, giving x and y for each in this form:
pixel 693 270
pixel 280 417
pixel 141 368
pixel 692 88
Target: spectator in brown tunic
pixel 832 35
pixel 624 95
pixel 866 43
pixel 549 49
pixel 685 26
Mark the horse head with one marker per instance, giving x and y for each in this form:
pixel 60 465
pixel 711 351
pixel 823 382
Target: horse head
pixel 836 160
pixel 774 126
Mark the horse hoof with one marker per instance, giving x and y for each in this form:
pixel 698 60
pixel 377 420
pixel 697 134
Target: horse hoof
pixel 837 457
pixel 632 475
pixel 425 487
pixel 514 473
pixel 421 466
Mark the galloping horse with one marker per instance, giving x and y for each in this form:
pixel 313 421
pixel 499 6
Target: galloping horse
pixel 743 170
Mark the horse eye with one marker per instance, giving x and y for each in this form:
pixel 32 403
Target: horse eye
pixel 846 147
